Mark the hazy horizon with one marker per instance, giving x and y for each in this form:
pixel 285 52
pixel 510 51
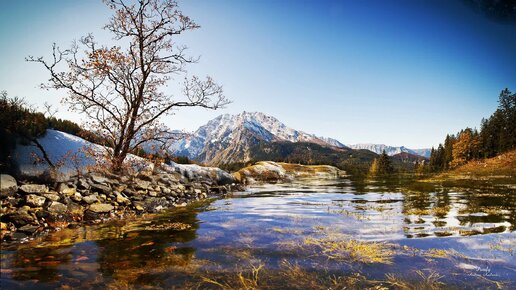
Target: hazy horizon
pixel 398 73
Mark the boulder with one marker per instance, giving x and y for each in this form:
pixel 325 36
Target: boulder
pixel 8 184
pixel 34 200
pixel 101 207
pixel 34 188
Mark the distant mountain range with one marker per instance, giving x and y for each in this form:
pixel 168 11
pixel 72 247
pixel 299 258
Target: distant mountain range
pixel 391 150
pixel 249 136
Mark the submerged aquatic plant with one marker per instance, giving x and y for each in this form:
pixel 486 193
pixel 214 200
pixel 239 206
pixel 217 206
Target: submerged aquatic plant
pixel 353 250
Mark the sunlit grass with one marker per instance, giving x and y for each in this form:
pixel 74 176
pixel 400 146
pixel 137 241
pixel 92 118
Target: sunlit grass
pixel 352 250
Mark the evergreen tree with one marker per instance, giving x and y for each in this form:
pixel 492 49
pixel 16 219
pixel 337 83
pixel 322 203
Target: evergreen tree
pixel 507 108
pixel 448 148
pixel 384 164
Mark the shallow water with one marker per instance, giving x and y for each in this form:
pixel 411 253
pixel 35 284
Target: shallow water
pixel 308 234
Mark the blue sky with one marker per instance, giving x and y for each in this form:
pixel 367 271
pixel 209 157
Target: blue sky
pixel 395 72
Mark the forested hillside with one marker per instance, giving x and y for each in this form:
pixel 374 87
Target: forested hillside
pixel 497 135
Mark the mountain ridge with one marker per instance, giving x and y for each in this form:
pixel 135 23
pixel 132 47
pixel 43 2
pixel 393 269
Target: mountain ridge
pixel 390 150
pixel 231 138
pixel 228 138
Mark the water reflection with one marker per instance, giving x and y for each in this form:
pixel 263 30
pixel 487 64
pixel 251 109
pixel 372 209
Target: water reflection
pixel 368 232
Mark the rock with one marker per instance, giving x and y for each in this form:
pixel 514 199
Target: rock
pixel 19 236
pixel 100 188
pixel 122 199
pixel 57 207
pixel 101 207
pixel 34 200
pixel 28 229
pixel 153 193
pixel 83 184
pixel 19 218
pixel 51 196
pixel 34 188
pixel 142 184
pixel 129 192
pixel 63 188
pixel 121 188
pixel 98 179
pixel 75 209
pixel 8 185
pixel 90 199
pixel 77 197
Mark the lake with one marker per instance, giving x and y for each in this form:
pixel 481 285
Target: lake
pixel 309 234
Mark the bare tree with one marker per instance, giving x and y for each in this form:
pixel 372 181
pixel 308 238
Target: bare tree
pixel 119 88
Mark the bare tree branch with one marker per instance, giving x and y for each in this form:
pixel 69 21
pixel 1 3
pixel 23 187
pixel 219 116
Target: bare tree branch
pixel 119 88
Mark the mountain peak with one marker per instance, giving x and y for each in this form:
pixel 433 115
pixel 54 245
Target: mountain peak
pixel 226 132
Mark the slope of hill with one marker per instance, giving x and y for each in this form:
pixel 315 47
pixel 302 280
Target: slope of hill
pixel 67 152
pixel 501 165
pixel 496 172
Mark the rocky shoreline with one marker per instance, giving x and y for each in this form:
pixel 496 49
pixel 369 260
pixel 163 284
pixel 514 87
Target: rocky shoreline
pixel 29 209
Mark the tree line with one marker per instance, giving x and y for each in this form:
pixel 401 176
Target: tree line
pixel 23 123
pixel 497 135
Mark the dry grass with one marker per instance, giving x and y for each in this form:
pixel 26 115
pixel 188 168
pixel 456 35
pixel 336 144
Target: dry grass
pixel 423 281
pixel 353 250
pixel 504 164
pixel 248 280
pixel 499 167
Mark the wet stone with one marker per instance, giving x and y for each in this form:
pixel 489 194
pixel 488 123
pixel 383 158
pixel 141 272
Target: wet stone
pixel 19 218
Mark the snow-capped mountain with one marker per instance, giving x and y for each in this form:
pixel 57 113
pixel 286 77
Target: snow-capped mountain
pixel 228 138
pixel 390 150
pixel 423 152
